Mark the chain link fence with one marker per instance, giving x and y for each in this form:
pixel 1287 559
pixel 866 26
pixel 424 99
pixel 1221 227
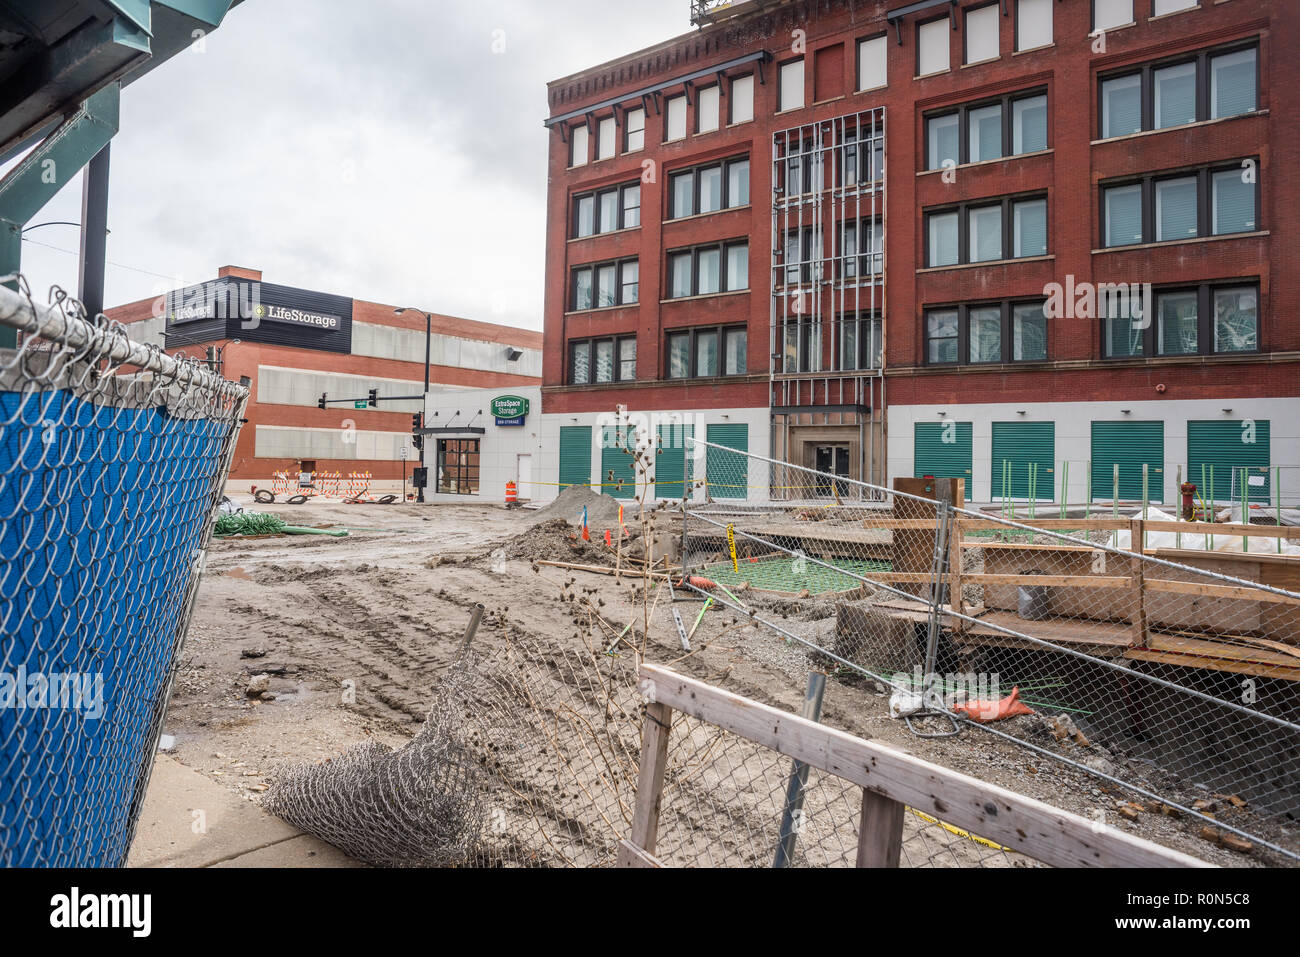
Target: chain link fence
pixel 113 458
pixel 1168 669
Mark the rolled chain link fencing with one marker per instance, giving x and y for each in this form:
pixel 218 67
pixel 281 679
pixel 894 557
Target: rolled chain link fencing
pixel 113 458
pixel 1168 676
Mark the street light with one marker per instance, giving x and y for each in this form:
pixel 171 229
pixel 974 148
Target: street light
pixel 428 355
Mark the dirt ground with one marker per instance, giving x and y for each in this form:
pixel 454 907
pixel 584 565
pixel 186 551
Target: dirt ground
pixel 353 632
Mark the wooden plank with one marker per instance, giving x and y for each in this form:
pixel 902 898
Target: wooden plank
pixel 955 582
pixel 631 856
pixel 880 831
pixel 1285 532
pixel 1214 663
pixel 650 780
pixel 1060 631
pixel 1021 823
pixel 1055 581
pixel 1257 651
pixel 1219 591
pixel 1136 563
pixel 1051 524
pixel 1027 547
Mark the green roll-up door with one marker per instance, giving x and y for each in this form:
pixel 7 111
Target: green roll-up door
pixel 670 460
pixel 945 450
pixel 1024 444
pixel 575 455
pixel 1130 445
pixel 728 472
pixel 1218 451
pixel 617 463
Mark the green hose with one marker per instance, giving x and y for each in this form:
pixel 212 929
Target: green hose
pixel 258 523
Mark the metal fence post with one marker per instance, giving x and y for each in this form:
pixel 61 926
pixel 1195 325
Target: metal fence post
pixel 791 823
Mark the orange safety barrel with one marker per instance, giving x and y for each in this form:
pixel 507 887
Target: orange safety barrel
pixel 512 495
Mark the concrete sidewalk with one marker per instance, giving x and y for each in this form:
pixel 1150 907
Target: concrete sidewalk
pixel 189 820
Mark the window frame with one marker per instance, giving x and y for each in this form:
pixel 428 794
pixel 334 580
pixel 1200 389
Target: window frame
pixel 628 131
pixel 573 145
pixel 1204 202
pixel 995 5
pixel 1146 74
pixel 601 127
pixel 620 191
pixel 857 78
pixel 594 268
pixel 699 113
pixel 1015 39
pixel 780 85
pixel 1007 205
pixel 732 99
pixel 725 166
pixel 962 111
pixel 722 247
pixel 948 28
pixel 1205 321
pixel 617 340
pixel 721 330
pixel 685 100
pixel 472 475
pixel 1092 16
pixel 1007 308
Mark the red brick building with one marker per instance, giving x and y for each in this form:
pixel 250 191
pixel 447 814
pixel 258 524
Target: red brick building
pixel 295 345
pixel 944 207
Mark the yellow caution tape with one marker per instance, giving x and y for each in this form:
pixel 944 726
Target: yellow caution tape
pixel 731 544
pixel 959 832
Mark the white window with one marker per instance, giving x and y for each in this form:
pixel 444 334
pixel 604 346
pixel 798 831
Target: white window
pixel 742 99
pixel 1033 23
pixel 606 134
pixel 1172 6
pixel 871 62
pixel 982 34
pixel 933 47
pixel 676 122
pixel 635 130
pixel 580 147
pixel 791 85
pixel 707 110
pixel 1109 14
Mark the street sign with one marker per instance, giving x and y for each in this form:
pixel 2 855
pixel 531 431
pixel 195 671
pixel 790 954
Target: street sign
pixel 404 453
pixel 510 407
pixel 361 404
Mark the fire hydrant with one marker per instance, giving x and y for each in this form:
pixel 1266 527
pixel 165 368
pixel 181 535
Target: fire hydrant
pixel 1189 501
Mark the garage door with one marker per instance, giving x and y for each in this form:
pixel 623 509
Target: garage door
pixel 575 455
pixel 617 464
pixel 670 460
pixel 1022 445
pixel 945 450
pixel 727 472
pixel 1218 451
pixel 1129 445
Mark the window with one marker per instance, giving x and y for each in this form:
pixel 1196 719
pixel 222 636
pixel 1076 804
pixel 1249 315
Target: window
pixel 791 82
pixel 707 352
pixel 1123 213
pixel 932 47
pixel 986 232
pixel 1161 7
pixel 860 342
pixel 675 123
pixel 863 249
pixel 1033 23
pixel 1176 209
pixel 607 210
pixel 1205 202
pixel 579 146
pixel 606 135
pixel 635 122
pixel 1030 224
pixel 742 99
pixel 1175 95
pixel 944 243
pixel 1209 86
pixel 1201 320
pixel 801 172
pixel 605 285
pixel 985 131
pixel 804 254
pixel 458 462
pixel 708 110
pixel 700 272
pixel 1109 14
pixel 982 28
pixel 872 56
pixel 803 345
pixel 1121 106
pixel 597 361
pixel 863 158
pixel 986 333
pixel 709 189
pixel 978 132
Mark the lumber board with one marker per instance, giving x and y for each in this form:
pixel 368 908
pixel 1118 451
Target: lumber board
pixel 1285 532
pixel 650 779
pixel 631 856
pixel 1050 524
pixel 1219 591
pixel 1054 581
pixel 1018 822
pixel 880 831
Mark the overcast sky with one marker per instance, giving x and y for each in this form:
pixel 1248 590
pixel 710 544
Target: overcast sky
pixel 382 151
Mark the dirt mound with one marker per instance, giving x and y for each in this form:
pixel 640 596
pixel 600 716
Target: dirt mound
pixel 557 541
pixel 602 510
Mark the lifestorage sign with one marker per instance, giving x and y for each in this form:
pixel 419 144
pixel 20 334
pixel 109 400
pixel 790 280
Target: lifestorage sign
pixel 299 317
pixel 510 410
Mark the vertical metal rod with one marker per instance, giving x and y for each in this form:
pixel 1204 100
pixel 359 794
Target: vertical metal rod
pixel 791 824
pixel 475 616
pixel 94 233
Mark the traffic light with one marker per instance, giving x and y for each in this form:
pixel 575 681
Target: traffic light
pixel 417 423
pixel 374 398
pixel 322 405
